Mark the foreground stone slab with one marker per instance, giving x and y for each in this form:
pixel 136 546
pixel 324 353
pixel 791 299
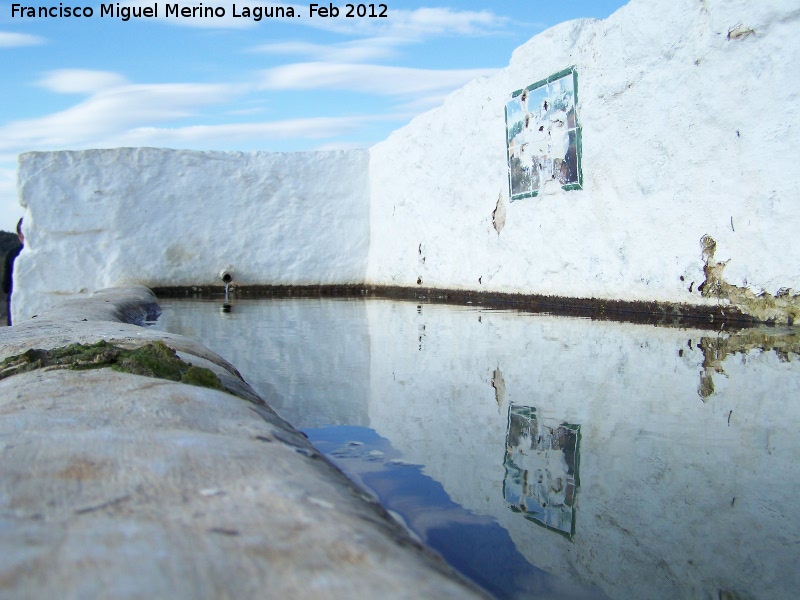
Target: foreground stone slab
pixel 123 486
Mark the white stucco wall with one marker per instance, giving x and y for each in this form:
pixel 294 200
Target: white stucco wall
pixel 687 131
pixel 103 218
pixel 690 119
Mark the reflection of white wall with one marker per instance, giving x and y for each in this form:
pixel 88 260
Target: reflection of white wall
pixel 659 467
pixel 308 358
pixel 676 145
pixel 166 217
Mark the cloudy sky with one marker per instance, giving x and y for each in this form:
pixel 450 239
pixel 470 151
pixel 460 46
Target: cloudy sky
pixel 234 83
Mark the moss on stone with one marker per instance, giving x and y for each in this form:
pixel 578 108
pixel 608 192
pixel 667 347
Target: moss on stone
pixel 151 360
pixel 202 377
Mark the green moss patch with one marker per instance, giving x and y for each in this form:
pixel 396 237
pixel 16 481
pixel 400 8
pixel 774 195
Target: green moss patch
pixel 152 360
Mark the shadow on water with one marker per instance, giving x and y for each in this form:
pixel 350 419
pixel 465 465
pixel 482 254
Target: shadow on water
pixel 544 456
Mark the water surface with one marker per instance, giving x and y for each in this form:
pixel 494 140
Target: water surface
pixel 544 456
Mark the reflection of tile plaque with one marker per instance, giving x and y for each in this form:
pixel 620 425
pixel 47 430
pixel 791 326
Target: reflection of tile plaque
pixel 543 136
pixel 542 463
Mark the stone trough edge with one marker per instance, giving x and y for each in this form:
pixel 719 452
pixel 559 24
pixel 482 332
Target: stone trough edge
pixel 124 486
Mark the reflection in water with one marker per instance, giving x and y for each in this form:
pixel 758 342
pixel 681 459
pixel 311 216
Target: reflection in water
pixel 784 343
pixel 541 465
pixel 474 544
pixel 676 496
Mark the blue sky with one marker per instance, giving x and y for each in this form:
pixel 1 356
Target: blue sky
pixel 236 84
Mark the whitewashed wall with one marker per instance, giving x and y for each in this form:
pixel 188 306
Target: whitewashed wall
pixel 690 120
pixel 101 218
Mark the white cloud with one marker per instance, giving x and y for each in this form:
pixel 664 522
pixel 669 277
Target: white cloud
pixel 119 113
pixel 372 79
pixel 438 21
pixel 111 111
pixel 116 112
pixel 229 135
pixel 353 51
pixel 71 81
pixel 14 40
pixel 413 24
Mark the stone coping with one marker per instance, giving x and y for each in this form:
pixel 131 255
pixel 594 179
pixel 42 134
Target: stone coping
pixel 123 486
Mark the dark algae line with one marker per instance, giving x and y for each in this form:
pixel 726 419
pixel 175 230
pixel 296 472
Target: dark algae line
pixel 713 317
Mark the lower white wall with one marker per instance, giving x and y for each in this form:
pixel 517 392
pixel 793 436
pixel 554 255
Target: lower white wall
pixel 102 218
pixel 690 123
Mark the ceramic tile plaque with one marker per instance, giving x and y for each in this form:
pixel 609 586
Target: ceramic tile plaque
pixel 543 136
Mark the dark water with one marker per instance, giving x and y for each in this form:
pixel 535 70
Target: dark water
pixel 544 457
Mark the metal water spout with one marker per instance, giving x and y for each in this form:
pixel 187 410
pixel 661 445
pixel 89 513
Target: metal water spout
pixel 227 278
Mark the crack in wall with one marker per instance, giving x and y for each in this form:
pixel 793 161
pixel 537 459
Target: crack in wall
pixel 783 307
